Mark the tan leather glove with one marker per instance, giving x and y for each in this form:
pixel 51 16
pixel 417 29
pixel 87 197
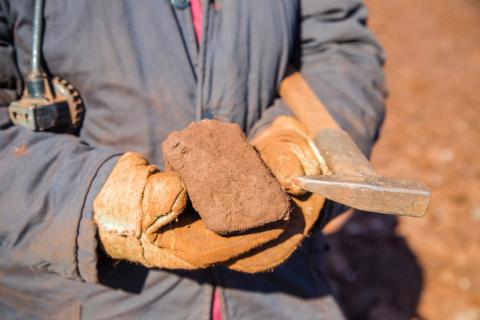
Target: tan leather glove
pixel 138 217
pixel 286 148
pixel 134 203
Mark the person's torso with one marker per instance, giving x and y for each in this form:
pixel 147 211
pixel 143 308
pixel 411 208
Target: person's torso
pixel 140 73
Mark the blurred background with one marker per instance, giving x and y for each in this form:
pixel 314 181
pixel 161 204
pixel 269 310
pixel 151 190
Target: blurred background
pixel 383 267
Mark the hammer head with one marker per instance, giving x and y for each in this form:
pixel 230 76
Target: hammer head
pixel 371 193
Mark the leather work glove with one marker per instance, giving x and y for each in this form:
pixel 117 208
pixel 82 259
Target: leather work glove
pixel 135 201
pixel 138 214
pixel 286 148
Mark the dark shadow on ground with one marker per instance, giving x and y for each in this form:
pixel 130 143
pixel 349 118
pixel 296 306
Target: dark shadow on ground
pixel 372 270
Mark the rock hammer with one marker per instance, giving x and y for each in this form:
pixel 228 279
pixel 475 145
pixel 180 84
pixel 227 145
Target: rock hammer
pixel 351 179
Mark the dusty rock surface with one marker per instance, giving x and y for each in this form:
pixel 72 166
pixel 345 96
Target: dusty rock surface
pixel 227 182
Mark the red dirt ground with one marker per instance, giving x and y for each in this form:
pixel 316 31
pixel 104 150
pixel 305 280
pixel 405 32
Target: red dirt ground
pixel 387 268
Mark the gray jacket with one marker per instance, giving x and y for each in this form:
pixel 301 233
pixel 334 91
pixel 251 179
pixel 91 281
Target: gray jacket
pixel 141 75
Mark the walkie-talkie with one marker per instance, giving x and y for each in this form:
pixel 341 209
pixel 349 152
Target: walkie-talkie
pixel 48 103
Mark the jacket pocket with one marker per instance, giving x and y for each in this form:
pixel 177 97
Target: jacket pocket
pixel 19 305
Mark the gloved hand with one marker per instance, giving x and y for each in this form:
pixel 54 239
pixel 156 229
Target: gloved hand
pixel 134 203
pixel 150 230
pixel 286 148
pixel 138 217
pixel 302 219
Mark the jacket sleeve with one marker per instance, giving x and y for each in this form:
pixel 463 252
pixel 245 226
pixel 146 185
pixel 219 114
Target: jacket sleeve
pixel 342 62
pixel 45 179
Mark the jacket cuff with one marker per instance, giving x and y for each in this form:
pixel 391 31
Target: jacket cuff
pixel 87 242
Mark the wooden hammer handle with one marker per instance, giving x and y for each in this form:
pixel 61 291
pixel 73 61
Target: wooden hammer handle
pixel 335 145
pixel 305 104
